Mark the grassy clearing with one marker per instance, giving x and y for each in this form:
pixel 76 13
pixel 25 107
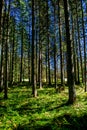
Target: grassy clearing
pixel 46 112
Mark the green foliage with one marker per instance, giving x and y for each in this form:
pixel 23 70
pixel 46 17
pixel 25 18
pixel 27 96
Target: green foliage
pixel 48 111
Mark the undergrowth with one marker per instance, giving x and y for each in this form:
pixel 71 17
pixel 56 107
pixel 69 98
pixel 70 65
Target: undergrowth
pixel 48 111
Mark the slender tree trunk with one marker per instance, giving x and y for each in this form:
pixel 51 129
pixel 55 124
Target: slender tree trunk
pixel 6 52
pixel 29 55
pixel 1 67
pixel 73 43
pixel 21 63
pixel 1 42
pixel 46 67
pixel 36 55
pixel 34 91
pixel 61 48
pixel 49 78
pixel 40 65
pixel 84 47
pixel 70 70
pixel 37 37
pixel 16 79
pixel 40 50
pixel 79 42
pixel 55 51
pixel 1 12
pixel 13 43
pixel 29 58
pixel 77 62
pixel 74 58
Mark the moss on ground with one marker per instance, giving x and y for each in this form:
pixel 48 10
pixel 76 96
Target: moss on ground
pixel 48 111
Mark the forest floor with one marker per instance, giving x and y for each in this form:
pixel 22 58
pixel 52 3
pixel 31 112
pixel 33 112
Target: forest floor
pixel 48 111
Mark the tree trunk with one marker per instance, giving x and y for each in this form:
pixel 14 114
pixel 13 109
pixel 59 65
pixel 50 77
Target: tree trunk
pixel 6 51
pixel 84 47
pixel 1 12
pixel 29 61
pixel 21 63
pixel 13 43
pixel 2 23
pixel 61 48
pixel 40 50
pixel 49 77
pixel 55 52
pixel 70 70
pixel 78 31
pixel 34 91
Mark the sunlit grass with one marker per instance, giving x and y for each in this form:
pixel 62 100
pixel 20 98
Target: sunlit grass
pixel 48 111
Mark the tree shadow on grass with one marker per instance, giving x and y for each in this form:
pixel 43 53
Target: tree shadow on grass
pixel 33 126
pixel 70 122
pixel 29 107
pixel 64 122
pixel 50 124
pixel 60 106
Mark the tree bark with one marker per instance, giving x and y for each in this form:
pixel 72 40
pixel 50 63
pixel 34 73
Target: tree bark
pixel 21 62
pixel 61 48
pixel 79 44
pixel 2 24
pixel 34 91
pixel 6 51
pixel 49 77
pixel 70 70
pixel 55 51
pixel 84 47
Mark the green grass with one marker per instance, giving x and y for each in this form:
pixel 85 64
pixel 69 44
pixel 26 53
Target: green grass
pixel 48 111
